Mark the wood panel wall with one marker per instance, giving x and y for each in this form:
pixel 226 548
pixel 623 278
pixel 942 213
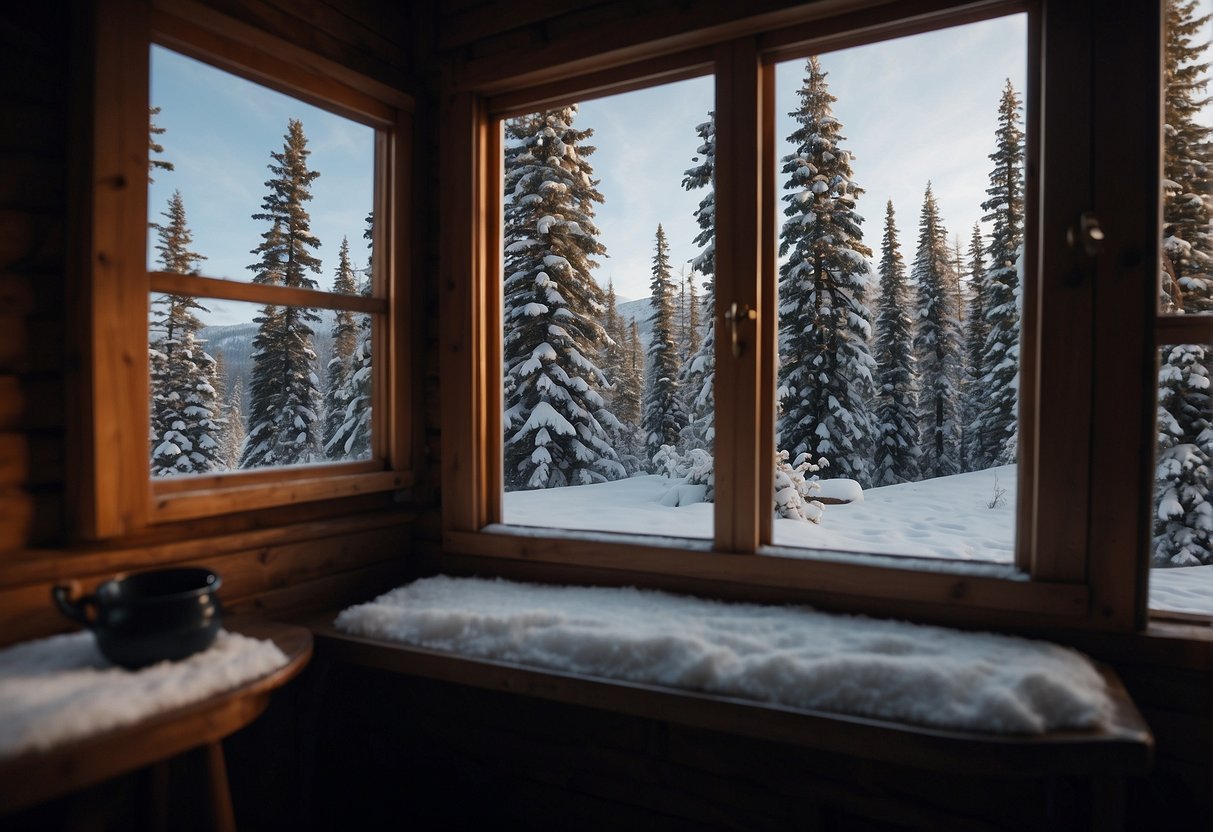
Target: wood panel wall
pixel 276 560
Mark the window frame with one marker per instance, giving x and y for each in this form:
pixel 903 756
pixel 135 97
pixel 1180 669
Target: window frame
pixel 1083 516
pixel 116 495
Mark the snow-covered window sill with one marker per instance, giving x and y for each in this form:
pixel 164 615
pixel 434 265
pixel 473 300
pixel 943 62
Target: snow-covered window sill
pixel 899 692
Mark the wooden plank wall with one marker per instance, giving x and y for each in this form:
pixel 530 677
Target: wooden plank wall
pixel 276 560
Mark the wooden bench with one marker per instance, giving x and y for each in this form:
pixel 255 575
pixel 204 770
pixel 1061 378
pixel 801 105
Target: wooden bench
pixel 1105 758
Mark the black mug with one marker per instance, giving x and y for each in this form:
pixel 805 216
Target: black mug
pixel 148 617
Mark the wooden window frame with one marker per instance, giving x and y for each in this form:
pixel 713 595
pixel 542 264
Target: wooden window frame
pixel 1083 519
pixel 116 496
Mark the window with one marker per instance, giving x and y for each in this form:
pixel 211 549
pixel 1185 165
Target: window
pixel 1181 550
pixel 1078 523
pixel 296 332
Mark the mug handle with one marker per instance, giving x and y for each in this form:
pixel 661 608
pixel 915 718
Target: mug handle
pixel 77 611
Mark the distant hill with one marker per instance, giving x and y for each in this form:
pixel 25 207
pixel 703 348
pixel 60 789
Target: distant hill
pixel 235 343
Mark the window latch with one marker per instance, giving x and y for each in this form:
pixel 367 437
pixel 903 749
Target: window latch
pixel 1086 235
pixel 735 315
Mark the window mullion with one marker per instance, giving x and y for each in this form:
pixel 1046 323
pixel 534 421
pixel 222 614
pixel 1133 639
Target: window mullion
pixel 741 493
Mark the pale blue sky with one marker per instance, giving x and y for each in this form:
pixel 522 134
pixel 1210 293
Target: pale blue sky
pixel 219 132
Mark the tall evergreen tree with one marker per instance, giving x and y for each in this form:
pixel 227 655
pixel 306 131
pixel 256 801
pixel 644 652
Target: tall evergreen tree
pixel 1000 384
pixel 826 366
pixel 664 413
pixel 1183 526
pixel 1183 519
pixel 283 419
pixel 339 370
pixel 186 425
pixel 697 377
pixel 1188 154
pixel 977 329
pixel 353 436
pixel 154 148
pixel 936 346
pixel 896 458
pixel 623 397
pixel 692 335
pixel 556 422
pixel 233 422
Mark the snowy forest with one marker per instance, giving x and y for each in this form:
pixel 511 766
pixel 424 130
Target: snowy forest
pixel 898 350
pixel 295 411
pixel 893 368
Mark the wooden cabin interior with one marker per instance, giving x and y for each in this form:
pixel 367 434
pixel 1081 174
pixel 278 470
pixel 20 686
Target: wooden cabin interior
pixel 362 739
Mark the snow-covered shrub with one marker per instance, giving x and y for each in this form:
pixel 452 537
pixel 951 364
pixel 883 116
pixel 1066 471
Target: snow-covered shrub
pixel 793 493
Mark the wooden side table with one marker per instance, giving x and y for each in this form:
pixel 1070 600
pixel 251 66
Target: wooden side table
pixel 35 777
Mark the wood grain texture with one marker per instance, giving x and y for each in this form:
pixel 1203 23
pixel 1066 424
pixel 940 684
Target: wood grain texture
pixel 209 287
pixel 32 778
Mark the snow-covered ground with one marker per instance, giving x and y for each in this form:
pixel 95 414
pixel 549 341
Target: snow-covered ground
pixel 1182 589
pixel 949 518
pixel 944 518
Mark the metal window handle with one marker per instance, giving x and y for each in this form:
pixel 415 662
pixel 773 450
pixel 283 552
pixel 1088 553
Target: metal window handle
pixel 1086 235
pixel 735 314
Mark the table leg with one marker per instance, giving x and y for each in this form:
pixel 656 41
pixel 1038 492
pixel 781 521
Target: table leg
pixel 222 816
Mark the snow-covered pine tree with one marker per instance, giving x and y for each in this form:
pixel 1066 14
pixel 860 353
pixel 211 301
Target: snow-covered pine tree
pixel 186 426
pixel 631 400
pixel 1188 154
pixel 936 346
pixel 345 341
pixel 977 329
pixel 691 334
pixel 233 427
pixel 826 366
pixel 154 148
pixel 623 396
pixel 664 412
pixel 283 419
pixel 556 422
pixel 1183 522
pixel 1000 385
pixel 896 431
pixel 353 435
pixel 1183 511
pixel 698 375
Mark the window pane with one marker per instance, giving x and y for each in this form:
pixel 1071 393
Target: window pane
pixel 901 197
pixel 251 185
pixel 1182 549
pixel 1182 545
pixel 237 386
pixel 1186 273
pixel 608 351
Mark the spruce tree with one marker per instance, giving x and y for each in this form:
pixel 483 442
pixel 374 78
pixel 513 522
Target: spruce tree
pixel 826 366
pixel 1000 385
pixel 353 436
pixel 623 397
pixel 557 426
pixel 1188 154
pixel 154 148
pixel 896 457
pixel 232 442
pixel 937 348
pixel 345 341
pixel 186 425
pixel 1183 520
pixel 664 413
pixel 698 375
pixel 283 420
pixel 1183 524
pixel 977 329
